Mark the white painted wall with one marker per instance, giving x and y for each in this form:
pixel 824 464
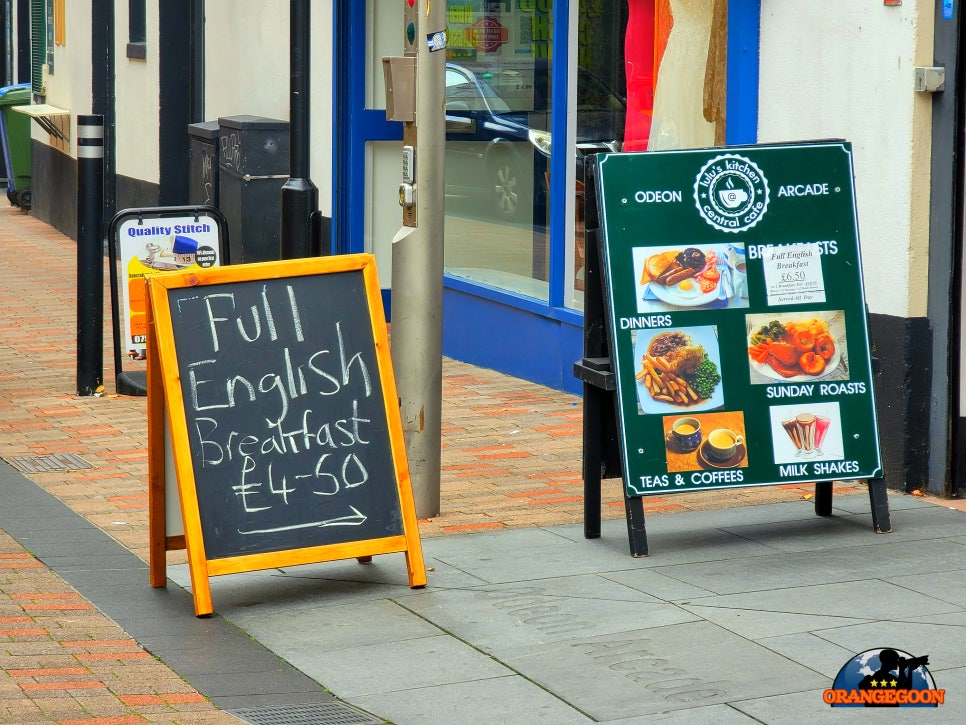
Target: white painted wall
pixel 247 72
pixel 137 96
pixel 246 58
pixel 69 86
pixel 833 69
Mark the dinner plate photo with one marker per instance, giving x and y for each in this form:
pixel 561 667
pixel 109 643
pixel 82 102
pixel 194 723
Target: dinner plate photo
pixel 836 327
pixel 830 365
pixel 704 336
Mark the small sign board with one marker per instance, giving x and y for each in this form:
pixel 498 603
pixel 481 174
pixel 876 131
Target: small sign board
pixel 284 418
pixel 740 344
pixel 146 241
pixel 159 243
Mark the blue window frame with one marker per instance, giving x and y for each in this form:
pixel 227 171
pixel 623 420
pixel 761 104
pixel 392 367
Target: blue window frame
pixel 543 338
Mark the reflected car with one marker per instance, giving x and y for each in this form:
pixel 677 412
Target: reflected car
pixel 498 139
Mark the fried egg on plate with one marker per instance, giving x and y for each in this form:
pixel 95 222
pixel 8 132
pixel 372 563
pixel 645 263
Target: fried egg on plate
pixel 688 289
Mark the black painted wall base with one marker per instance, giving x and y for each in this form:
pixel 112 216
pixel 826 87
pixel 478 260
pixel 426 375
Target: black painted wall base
pixel 54 190
pixel 53 187
pixel 901 351
pixel 136 194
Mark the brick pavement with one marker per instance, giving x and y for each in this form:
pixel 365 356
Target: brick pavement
pixel 511 457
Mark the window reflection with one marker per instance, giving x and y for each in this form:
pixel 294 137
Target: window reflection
pixel 497 143
pixel 649 75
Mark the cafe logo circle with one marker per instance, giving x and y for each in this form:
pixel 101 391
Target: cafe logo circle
pixel 731 193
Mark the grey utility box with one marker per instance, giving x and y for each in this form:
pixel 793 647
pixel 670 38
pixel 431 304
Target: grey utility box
pixel 203 163
pixel 253 162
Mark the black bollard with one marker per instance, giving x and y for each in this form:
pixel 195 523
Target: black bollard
pixel 90 254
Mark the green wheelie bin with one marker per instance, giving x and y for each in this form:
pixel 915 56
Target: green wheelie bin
pixel 15 137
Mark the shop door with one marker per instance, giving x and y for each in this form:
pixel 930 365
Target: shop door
pixel 368 147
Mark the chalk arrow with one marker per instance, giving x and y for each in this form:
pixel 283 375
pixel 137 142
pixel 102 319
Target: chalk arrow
pixel 357 518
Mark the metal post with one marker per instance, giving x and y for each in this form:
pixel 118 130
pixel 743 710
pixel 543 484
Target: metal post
pixel 90 254
pixel 417 264
pixel 300 197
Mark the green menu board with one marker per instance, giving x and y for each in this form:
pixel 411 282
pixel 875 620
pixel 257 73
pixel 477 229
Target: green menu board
pixel 737 317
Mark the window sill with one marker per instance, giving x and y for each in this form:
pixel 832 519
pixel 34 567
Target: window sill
pixel 137 51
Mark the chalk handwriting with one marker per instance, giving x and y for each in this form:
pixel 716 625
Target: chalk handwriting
pixel 277 411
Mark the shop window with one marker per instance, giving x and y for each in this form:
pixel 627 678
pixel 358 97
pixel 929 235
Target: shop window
pixel 645 75
pixel 137 30
pixel 689 89
pixel 498 111
pixel 668 60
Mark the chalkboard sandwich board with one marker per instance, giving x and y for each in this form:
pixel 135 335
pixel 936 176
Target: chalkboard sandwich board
pixel 283 415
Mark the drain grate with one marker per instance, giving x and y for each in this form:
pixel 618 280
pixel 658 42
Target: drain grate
pixel 48 464
pixel 323 713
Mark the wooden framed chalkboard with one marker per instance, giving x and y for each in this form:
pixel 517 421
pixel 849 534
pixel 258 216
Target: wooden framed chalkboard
pixel 284 419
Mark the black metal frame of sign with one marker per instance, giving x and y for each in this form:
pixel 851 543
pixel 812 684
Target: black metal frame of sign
pixel 725 330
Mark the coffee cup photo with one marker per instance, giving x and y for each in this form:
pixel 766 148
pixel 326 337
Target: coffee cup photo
pixel 685 434
pixel 723 443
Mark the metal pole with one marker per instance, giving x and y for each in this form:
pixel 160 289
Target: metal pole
pixel 300 197
pixel 417 269
pixel 90 254
pixel 196 62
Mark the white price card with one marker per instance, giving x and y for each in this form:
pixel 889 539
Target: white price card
pixel 793 275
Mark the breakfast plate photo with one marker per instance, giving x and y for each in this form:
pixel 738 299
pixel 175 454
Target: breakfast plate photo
pixel 681 276
pixel 692 296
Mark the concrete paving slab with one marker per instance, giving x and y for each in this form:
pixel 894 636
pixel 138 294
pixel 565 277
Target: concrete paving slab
pixel 696 520
pixel 657 584
pixel 638 672
pixel 869 599
pixel 828 566
pixel 510 700
pixel 710 715
pixel 542 612
pixel 860 504
pixel 911 524
pixel 523 555
pixel 812 534
pixel 226 688
pixel 327 628
pixel 941 642
pixel 950 587
pixel 337 582
pixel 810 650
pixel 755 624
pixel 529 554
pixel 355 672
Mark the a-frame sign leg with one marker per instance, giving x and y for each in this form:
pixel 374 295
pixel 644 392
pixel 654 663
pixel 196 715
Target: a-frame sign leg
pixel 879 500
pixel 601 443
pixel 823 498
pixel 636 532
pixel 593 461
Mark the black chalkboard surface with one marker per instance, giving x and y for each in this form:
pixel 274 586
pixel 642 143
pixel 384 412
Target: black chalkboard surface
pixel 284 415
